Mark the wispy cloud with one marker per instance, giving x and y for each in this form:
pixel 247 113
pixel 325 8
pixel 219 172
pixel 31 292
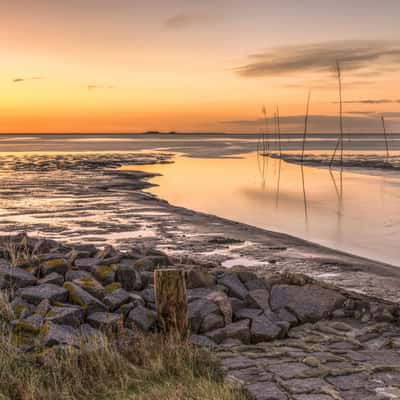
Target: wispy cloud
pixel 328 84
pixel 33 78
pixel 371 101
pixel 321 57
pixel 96 87
pixel 181 20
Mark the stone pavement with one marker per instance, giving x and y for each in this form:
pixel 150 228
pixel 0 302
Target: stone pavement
pixel 341 359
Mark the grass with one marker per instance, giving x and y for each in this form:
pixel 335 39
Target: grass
pixel 18 253
pixel 134 368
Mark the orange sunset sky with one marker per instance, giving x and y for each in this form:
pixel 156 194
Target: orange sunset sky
pixel 209 66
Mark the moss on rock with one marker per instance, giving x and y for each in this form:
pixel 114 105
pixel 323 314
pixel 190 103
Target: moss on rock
pixel 112 287
pixel 74 297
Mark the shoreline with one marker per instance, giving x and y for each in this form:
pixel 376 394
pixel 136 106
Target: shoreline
pixel 95 186
pixel 287 253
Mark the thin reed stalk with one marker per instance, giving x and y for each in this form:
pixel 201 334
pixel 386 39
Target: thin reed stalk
pixel 278 130
pixel 265 133
pixel 340 137
pixel 386 138
pixel 305 126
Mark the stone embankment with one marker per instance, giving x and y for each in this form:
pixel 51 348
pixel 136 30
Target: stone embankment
pixel 279 336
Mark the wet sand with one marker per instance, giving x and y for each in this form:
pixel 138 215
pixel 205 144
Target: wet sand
pixel 88 199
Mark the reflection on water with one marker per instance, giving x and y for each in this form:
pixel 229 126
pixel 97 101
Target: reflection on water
pixel 353 212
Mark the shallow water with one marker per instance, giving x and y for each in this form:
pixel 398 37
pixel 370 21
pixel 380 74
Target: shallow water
pixel 349 211
pixel 56 190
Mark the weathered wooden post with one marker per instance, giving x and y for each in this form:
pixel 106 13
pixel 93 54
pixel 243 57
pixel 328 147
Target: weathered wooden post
pixel 171 301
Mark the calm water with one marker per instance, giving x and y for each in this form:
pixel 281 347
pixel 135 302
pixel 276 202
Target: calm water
pixel 353 212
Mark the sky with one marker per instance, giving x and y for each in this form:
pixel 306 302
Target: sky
pixel 188 66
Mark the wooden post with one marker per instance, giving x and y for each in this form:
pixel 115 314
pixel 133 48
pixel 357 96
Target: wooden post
pixel 171 300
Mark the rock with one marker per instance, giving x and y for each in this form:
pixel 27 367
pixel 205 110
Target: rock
pixel 234 285
pixel 33 323
pixel 201 341
pixel 54 278
pixel 128 277
pixel 148 295
pixel 41 246
pixel 265 391
pixel 198 293
pixel 111 260
pixel 14 277
pixel 212 321
pixel 197 277
pixel 142 318
pixel 88 249
pixel 116 299
pixel 105 321
pixel 134 301
pixel 224 305
pixel 85 300
pixel 309 302
pixel 237 362
pixel 287 316
pixel 26 331
pixel 92 286
pixel 72 316
pixel 104 273
pixel 249 313
pixel 73 274
pixel 22 308
pixel 135 298
pixel 263 330
pixel 221 288
pixel 87 332
pixel 43 308
pixel 246 276
pixel 125 309
pixel 135 253
pixel 258 298
pixel 53 335
pixel 231 342
pixel 58 265
pixel 150 263
pixel 111 287
pixel 198 310
pixel 107 252
pixel 349 381
pixel 147 278
pixel 237 304
pixel 237 330
pixel 87 264
pixel 255 284
pixel 35 294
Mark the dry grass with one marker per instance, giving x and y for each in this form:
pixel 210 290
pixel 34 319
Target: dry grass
pixel 18 252
pixel 138 368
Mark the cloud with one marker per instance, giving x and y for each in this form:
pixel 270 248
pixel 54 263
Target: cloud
pixel 321 57
pixel 182 21
pixel 328 84
pixel 33 78
pixel 318 123
pixel 96 87
pixel 371 101
pixel 360 112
